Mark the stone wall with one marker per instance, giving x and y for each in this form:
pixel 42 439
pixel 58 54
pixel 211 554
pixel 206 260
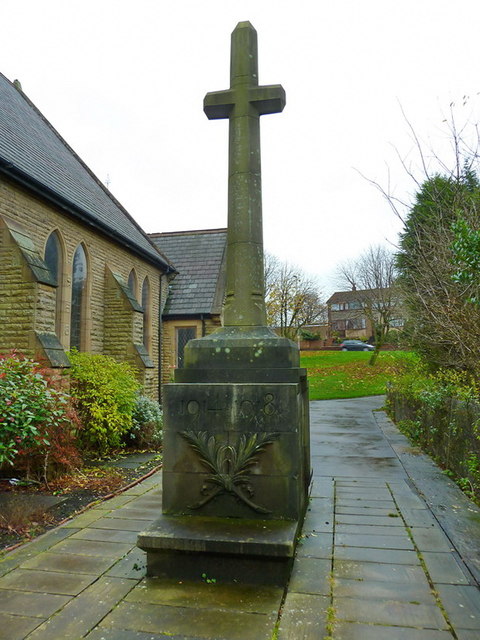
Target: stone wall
pixel 203 326
pixel 27 305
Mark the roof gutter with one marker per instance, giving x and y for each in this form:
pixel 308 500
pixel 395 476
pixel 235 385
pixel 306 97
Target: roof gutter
pixel 8 169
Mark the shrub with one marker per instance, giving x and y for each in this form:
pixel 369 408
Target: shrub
pixel 147 423
pixel 104 391
pixel 441 413
pixel 38 425
pixel 309 335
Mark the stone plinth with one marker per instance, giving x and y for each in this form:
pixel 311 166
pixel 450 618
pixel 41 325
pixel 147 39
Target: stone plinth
pixel 228 550
pixel 236 474
pixel 234 450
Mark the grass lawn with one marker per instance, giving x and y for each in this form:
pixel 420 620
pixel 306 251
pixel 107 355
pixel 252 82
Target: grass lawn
pixel 347 374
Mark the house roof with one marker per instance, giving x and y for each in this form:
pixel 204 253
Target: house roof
pixel 199 257
pixel 34 154
pixel 349 296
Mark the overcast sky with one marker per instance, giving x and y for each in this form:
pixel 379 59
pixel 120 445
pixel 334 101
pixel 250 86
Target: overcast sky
pixel 124 82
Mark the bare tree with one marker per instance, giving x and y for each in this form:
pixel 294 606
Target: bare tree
pixel 373 276
pixel 293 299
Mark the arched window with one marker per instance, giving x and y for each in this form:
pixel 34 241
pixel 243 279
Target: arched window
pixel 146 314
pixel 132 283
pixel 79 285
pixel 54 261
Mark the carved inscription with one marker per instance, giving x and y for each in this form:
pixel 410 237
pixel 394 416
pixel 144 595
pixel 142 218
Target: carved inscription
pixel 229 465
pixel 251 411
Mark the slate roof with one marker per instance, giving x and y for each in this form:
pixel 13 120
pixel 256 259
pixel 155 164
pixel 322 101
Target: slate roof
pixel 199 257
pixel 33 153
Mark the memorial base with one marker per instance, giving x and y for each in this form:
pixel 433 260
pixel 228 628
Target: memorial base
pixel 221 549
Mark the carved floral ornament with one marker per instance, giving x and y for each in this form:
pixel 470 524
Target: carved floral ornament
pixel 229 465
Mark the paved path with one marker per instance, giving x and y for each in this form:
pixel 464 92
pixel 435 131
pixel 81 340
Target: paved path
pixel 390 550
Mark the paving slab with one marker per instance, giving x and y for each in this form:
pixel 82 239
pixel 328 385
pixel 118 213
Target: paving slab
pixel 319 522
pixel 46 581
pixel 83 613
pixel 465 634
pixel 315 545
pixel 444 568
pixel 361 510
pixel 304 616
pixel 128 634
pixel 132 461
pixel 355 466
pixel 106 535
pixel 431 539
pixel 366 554
pixel 121 524
pixel 311 575
pixel 232 597
pixel 359 570
pixel 132 565
pixel 38 605
pixel 47 540
pixel 357 502
pixel 14 627
pixel 136 513
pixel 419 518
pixel 322 488
pixel 92 548
pixel 375 541
pixel 88 517
pixel 462 604
pixel 117 501
pixel 358 631
pixel 204 623
pixel 390 612
pixel 365 493
pixel 382 590
pixel 368 529
pixel 342 518
pixel 68 563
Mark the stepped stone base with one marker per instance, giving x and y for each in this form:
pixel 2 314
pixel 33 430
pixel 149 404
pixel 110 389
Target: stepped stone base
pixel 222 549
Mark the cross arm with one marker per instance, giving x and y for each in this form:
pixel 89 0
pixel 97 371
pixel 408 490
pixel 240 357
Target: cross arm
pixel 268 98
pixel 219 104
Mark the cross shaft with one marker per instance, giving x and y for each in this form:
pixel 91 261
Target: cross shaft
pixel 243 104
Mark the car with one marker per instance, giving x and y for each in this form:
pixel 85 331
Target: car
pixel 356 345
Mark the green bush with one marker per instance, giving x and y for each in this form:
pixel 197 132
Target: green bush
pixel 105 392
pixel 147 424
pixel 309 335
pixel 440 412
pixel 38 425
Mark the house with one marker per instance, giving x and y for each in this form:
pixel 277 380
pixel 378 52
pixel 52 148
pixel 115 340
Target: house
pixel 76 270
pixel 195 299
pixel 350 313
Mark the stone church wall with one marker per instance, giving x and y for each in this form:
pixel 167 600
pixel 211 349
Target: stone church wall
pixel 203 326
pixel 27 305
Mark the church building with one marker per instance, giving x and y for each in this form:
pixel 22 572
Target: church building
pixel 76 270
pixel 195 300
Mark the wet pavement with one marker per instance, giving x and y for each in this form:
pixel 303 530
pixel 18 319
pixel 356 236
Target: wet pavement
pixel 390 549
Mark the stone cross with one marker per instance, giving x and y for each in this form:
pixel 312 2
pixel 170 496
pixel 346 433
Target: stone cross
pixel 243 104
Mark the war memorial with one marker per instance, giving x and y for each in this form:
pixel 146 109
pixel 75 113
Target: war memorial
pixel 236 470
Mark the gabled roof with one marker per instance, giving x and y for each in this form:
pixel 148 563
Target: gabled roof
pixel 350 296
pixel 199 257
pixel 34 154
